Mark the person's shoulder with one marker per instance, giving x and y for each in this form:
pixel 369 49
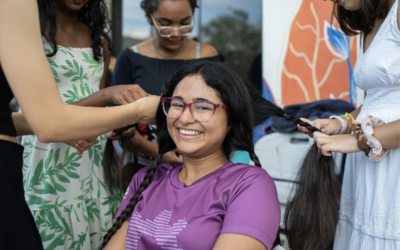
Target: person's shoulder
pixel 126 54
pixel 207 50
pixel 238 173
pixel 245 170
pixel 143 47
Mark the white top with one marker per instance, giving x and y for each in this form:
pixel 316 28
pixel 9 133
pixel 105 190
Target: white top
pixel 377 71
pixel 369 216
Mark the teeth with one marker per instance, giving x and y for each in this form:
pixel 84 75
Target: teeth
pixel 188 132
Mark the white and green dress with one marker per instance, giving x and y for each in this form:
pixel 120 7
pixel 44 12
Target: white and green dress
pixel 72 206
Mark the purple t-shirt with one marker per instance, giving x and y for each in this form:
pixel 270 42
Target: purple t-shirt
pixel 235 198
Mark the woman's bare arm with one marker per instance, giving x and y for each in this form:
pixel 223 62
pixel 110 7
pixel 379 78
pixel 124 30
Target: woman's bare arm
pixel 388 134
pixel 30 78
pixel 120 94
pixel 356 112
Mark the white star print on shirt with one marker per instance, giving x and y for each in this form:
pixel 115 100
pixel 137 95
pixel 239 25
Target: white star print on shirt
pixel 159 228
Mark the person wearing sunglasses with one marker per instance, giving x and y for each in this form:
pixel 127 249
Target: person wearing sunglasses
pixel 153 61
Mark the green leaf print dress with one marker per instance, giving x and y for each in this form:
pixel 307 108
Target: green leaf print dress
pixel 72 206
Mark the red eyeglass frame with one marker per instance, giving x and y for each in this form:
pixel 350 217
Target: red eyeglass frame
pixel 162 99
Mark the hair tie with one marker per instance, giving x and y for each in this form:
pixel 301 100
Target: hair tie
pixel 377 152
pixel 297 121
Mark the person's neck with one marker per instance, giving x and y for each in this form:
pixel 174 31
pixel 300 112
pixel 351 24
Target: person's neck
pixel 66 19
pixel 196 168
pixel 390 4
pixel 165 52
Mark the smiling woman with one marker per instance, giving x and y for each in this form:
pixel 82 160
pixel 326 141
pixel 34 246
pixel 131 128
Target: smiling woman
pixel 206 202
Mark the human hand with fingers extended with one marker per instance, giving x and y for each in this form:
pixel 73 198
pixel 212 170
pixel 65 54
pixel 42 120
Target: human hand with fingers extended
pixel 346 143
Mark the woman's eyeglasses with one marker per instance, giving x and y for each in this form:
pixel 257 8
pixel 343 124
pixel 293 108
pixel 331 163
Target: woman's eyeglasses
pixel 167 31
pixel 201 111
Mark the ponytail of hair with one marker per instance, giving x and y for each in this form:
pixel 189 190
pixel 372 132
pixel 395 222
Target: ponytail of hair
pixel 311 216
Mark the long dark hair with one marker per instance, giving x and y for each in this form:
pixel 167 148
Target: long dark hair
pixel 118 170
pixel 311 215
pixel 94 14
pixel 241 97
pixel 360 20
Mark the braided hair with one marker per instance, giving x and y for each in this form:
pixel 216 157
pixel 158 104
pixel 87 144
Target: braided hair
pixel 241 97
pixel 94 14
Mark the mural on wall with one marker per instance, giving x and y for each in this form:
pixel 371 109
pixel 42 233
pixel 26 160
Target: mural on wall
pixel 319 59
pixel 305 57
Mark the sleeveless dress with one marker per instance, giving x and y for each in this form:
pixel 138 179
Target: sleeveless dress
pixel 369 215
pixel 72 206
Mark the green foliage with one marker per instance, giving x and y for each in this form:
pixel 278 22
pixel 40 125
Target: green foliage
pixel 234 38
pixel 93 64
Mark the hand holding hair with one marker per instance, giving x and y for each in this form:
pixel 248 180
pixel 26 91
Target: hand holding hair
pixel 148 107
pixel 327 126
pixel 327 144
pixel 125 132
pixel 124 94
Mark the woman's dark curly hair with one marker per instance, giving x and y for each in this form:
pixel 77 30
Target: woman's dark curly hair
pixel 360 20
pixel 151 6
pixel 94 14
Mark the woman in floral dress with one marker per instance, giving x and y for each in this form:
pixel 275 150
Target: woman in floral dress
pixel 65 191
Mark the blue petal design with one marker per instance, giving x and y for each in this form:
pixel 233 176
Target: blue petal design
pixel 339 41
pixel 353 86
pixel 353 91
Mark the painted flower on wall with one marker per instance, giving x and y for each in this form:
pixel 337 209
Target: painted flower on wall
pixel 318 58
pixel 338 44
